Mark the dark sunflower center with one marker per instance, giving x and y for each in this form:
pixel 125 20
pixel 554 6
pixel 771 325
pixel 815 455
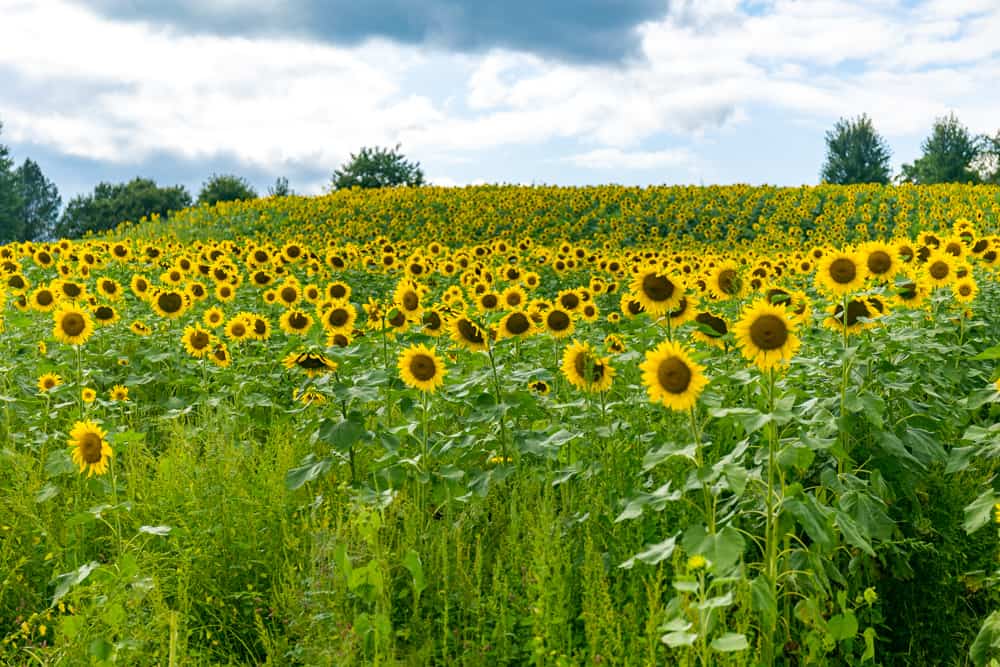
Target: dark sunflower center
pixel 44 298
pixel 768 332
pixel 432 320
pixel 674 375
pixel 954 249
pixel 843 270
pixel 657 287
pixel 261 278
pixel 338 317
pixel 340 340
pixel 590 369
pixel 905 253
pixel 634 307
pixel 980 246
pixel 260 256
pixel 199 340
pixel 104 313
pixel 220 354
pixel 338 291
pixel 73 324
pixel 71 290
pixel 489 301
pixel 298 321
pixel 44 257
pixel 289 294
pixel 517 323
pixel 879 262
pixel 727 281
pixel 557 320
pixel 110 287
pixel 513 299
pixel 90 448
pixel 777 296
pixel 293 251
pixel 411 301
pixel 681 308
pixel 716 324
pixel 469 331
pixel 398 320
pixel 965 289
pixel 239 330
pixel 856 309
pixel 311 361
pixel 939 270
pixel 170 302
pixel 422 366
pixel 907 291
pixel 569 301
pixel 141 285
pixel 259 327
pixel 17 282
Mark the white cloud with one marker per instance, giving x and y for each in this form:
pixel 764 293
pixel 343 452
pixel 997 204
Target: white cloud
pixel 614 158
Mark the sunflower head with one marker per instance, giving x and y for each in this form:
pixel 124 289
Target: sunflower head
pixel 310 363
pixel 585 370
pixel 72 325
pixel 91 452
pixel 656 291
pixel 119 393
pixel 671 377
pixel 766 335
pixel 421 368
pixel 48 382
pixel 467 335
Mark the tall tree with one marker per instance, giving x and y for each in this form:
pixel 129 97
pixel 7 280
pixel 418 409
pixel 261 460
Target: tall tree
pixel 40 202
pixel 988 163
pixel 111 204
pixel 225 187
pixel 377 168
pixel 11 227
pixel 280 188
pixel 948 155
pixel 855 153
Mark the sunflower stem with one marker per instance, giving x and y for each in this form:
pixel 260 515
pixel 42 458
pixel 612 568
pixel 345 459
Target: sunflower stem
pixel 425 457
pixel 770 528
pixel 496 386
pixel 699 462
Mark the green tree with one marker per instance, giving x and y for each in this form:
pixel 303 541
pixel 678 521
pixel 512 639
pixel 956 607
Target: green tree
pixel 111 204
pixel 280 188
pixel 225 187
pixel 377 168
pixel 11 225
pixel 855 153
pixel 988 164
pixel 40 202
pixel 948 155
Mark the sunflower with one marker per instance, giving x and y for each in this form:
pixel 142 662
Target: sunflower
pixel 407 298
pixel 295 322
pixel 840 272
pixel 488 302
pixel 90 449
pixel 589 312
pixel 939 269
pixel 657 292
pixel 213 317
pixel 259 326
pixel 559 322
pixel 965 289
pixel 238 328
pixel 516 324
pixel 72 325
pixel 43 300
pixel 766 335
pixel 614 343
pixel 513 297
pixel 109 288
pixel 338 339
pixel 880 259
pixel 311 363
pixel 337 316
pixel 910 292
pixel 671 378
pixel 585 370
pixel 88 395
pixel 104 314
pixel 288 293
pixel 197 341
pixel 711 329
pixel 467 335
pixel 140 328
pixel 630 305
pixel 568 300
pixel 420 368
pixel 724 282
pixel 860 313
pixel 220 355
pixel 338 290
pixel 169 303
pixel 48 381
pixel 433 322
pixel 119 393
pixel 308 397
pixel 539 387
pixel 71 290
pixel 684 311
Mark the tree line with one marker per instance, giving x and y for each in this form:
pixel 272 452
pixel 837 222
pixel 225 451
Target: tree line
pixel 31 207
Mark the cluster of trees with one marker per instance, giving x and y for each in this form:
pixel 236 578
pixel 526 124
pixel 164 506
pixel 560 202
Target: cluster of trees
pixel 856 153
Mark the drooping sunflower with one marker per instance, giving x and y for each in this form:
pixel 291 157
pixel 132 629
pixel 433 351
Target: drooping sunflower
pixel 515 324
pixel 91 452
pixel 467 335
pixel 656 291
pixel 295 322
pixel 766 335
pixel 220 355
pixel 72 325
pixel 310 363
pixel 671 377
pixel 585 370
pixel 711 329
pixel 420 368
pixel 140 328
pixel 197 341
pixel 841 272
pixel 48 381
pixel 724 282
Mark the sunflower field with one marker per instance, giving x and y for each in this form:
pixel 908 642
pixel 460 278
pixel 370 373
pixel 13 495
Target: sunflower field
pixel 506 425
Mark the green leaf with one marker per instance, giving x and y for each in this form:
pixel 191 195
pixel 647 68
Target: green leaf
pixel 101 649
pixel 869 653
pixel 343 434
pixel 653 554
pixel 155 530
pixel 988 354
pixel 411 561
pixel 853 533
pixel 843 626
pixel 812 518
pixel 666 452
pixel 730 642
pixel 979 512
pixel 723 549
pixel 986 646
pixel 68 580
pixel 678 639
pixel 47 492
pixel 307 472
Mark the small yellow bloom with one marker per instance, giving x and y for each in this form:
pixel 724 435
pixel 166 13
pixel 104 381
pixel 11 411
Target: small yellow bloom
pixel 48 382
pixel 88 395
pixel 696 562
pixel 119 393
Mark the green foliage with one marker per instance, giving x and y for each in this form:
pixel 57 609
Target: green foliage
pixel 280 188
pixel 111 204
pixel 226 187
pixel 855 153
pixel 948 155
pixel 377 168
pixel 40 202
pixel 11 222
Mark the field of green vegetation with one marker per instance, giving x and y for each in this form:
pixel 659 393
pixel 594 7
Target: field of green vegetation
pixel 508 426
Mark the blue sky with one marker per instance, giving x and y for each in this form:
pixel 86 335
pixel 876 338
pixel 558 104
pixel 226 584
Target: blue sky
pixel 525 91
